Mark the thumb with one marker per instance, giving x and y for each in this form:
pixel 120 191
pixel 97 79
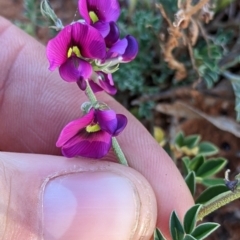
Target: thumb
pixel 54 198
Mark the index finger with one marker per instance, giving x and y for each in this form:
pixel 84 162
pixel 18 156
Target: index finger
pixel 35 104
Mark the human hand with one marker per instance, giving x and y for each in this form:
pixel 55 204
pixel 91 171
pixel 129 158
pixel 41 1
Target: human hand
pixel 45 193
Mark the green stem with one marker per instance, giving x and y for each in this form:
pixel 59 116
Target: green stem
pixel 118 151
pixel 217 202
pixel 90 94
pixel 231 76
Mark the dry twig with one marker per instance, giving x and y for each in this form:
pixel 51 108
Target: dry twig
pixel 188 17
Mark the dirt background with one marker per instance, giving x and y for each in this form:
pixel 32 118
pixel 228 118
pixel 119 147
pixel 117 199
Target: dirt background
pixel 218 102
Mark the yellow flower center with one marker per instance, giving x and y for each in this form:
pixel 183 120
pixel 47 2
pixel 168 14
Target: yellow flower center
pixel 93 128
pixel 74 50
pixel 93 16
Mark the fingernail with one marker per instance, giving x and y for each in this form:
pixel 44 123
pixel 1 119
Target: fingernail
pixel 89 205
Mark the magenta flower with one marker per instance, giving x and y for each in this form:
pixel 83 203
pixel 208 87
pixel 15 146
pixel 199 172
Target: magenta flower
pixel 113 34
pixel 109 31
pixel 126 49
pixel 104 82
pixel 72 47
pixel 102 15
pixel 91 135
pixel 99 10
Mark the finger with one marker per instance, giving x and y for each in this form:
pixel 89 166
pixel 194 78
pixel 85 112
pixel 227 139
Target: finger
pixel 36 104
pixel 58 199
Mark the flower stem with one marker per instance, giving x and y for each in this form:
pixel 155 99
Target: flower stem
pixel 90 94
pixel 217 202
pixel 118 151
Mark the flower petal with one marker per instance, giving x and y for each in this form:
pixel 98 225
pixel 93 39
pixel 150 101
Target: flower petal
pixel 118 48
pixel 94 145
pixel 127 48
pixel 57 48
pixel 122 122
pixel 83 10
pixel 75 68
pixel 82 83
pixel 72 128
pixel 90 42
pixel 113 35
pixel 102 27
pixel 131 50
pixel 107 120
pixel 107 84
pixel 106 10
pixel 95 87
pixel 103 82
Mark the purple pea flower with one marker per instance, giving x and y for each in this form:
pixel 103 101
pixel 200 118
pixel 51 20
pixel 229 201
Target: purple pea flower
pixel 99 10
pixel 70 50
pixel 91 135
pixel 103 82
pixel 126 49
pixel 102 15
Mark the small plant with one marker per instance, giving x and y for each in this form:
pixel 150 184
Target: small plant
pixel 189 230
pixel 191 146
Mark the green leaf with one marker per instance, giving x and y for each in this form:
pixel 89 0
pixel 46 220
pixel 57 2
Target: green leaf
pixel 186 161
pixel 192 140
pixel 189 237
pixel 191 182
pixel 158 235
pixel 203 230
pixel 235 80
pixel 211 167
pixel 211 65
pixel 179 139
pixel 207 149
pixel 190 218
pixel 196 162
pixel 210 193
pixel 176 227
pixel 216 52
pixel 208 182
pixel 208 81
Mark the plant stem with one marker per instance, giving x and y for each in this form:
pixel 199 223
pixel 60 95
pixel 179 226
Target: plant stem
pixel 118 151
pixel 217 202
pixel 91 95
pixel 231 76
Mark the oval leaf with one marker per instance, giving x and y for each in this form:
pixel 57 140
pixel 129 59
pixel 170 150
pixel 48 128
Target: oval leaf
pixel 207 149
pixel 191 182
pixel 176 227
pixel 211 192
pixel 179 139
pixel 211 167
pixel 192 140
pixel 196 162
pixel 186 161
pixel 158 235
pixel 189 237
pixel 209 182
pixel 204 230
pixel 190 218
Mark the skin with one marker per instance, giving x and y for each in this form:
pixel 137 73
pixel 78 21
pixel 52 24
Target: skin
pixel 35 104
